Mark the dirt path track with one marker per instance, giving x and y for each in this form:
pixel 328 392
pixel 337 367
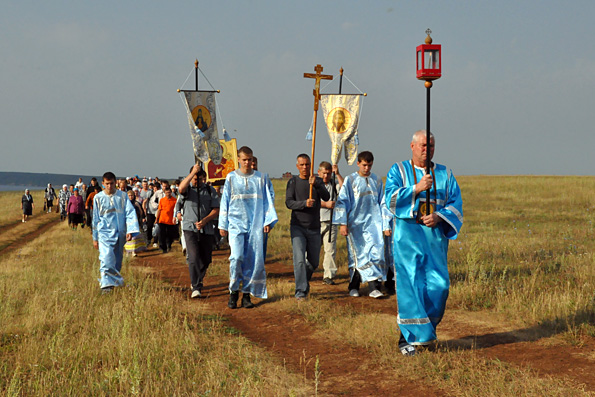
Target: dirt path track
pixel 290 339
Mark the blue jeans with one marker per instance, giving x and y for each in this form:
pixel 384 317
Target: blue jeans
pixel 306 254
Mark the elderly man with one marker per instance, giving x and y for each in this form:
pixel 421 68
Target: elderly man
pixel 421 240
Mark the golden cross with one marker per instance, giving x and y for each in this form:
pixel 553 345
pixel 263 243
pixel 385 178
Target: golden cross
pixel 318 77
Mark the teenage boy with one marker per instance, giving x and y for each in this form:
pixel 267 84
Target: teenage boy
pixel 114 223
pixel 247 214
pixel 363 219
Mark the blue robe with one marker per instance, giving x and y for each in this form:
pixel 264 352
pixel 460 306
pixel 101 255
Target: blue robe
pixel 420 252
pixel 113 217
pixel 247 206
pixel 360 206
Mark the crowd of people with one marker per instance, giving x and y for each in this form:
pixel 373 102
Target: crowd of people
pixel 397 236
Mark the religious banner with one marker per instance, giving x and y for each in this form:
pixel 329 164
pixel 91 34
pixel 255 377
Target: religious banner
pixel 341 116
pixel 216 173
pixel 202 119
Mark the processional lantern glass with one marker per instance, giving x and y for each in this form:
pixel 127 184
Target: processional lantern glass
pixel 429 63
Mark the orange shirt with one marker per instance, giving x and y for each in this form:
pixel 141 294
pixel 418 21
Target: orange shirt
pixel 89 202
pixel 166 210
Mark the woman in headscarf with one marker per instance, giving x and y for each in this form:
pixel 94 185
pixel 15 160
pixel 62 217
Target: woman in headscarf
pixel 27 205
pixel 50 195
pixel 63 197
pixel 75 209
pixel 138 242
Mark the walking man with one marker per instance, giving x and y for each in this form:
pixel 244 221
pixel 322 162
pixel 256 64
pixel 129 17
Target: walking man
pixel 114 223
pixel 200 207
pixel 305 223
pixel 247 214
pixel 364 221
pixel 328 231
pixel 421 240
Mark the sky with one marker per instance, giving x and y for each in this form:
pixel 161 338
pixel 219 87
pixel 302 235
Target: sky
pixel 88 87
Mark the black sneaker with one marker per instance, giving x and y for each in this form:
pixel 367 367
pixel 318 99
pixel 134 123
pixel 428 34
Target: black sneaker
pixel 328 281
pixel 246 302
pixel 233 300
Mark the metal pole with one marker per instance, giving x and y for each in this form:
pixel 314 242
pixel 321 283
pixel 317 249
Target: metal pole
pixel 196 75
pixel 333 183
pixel 428 160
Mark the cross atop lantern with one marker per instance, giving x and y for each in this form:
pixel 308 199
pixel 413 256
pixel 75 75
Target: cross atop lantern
pixel 429 66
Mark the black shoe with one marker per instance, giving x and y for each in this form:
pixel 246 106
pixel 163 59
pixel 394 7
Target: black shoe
pixel 246 302
pixel 233 300
pixel 328 281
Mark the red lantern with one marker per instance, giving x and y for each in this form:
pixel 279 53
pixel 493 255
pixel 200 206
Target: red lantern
pixel 429 65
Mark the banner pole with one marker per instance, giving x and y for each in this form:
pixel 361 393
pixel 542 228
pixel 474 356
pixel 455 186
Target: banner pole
pixel 318 69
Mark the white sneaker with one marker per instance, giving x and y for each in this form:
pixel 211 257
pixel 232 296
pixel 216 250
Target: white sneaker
pixel 195 294
pixel 354 293
pixel 408 350
pixel 376 294
pixel 154 245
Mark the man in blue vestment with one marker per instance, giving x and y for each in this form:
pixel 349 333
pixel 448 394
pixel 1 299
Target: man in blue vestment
pixel 114 223
pixel 421 241
pixel 363 217
pixel 247 213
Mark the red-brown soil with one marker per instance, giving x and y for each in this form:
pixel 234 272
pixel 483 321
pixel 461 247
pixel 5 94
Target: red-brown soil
pixel 346 370
pixel 288 337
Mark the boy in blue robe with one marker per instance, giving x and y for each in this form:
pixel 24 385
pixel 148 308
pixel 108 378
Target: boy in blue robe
pixel 421 241
pixel 114 223
pixel 364 221
pixel 246 214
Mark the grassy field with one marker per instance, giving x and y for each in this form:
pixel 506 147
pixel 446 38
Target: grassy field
pixel 525 255
pixel 523 262
pixel 59 336
pixel 10 202
pixel 526 250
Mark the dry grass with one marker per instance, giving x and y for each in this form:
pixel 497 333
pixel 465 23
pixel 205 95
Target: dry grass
pixel 58 335
pixel 10 202
pixel 525 254
pixel 524 260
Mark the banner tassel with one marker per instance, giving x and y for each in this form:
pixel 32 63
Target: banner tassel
pixel 226 135
pixel 309 135
pixel 199 132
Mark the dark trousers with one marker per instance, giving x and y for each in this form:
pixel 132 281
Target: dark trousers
pixel 199 249
pixel 89 213
pixel 150 223
pixel 389 284
pixel 306 253
pixel 167 234
pixel 356 281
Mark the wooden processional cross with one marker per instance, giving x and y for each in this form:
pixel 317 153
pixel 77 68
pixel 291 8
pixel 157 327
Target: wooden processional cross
pixel 318 77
